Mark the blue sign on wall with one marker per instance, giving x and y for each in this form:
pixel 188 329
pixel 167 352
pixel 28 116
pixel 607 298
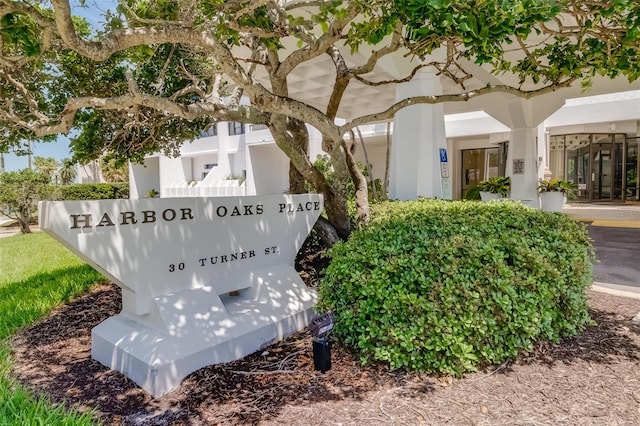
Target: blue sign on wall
pixel 443 155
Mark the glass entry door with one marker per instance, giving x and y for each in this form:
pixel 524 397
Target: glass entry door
pixel 601 171
pixel 605 167
pixel 632 171
pixel 607 173
pixel 579 170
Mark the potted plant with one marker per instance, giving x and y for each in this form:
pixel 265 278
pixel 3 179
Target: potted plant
pixel 152 193
pixel 472 193
pixel 495 187
pixel 554 193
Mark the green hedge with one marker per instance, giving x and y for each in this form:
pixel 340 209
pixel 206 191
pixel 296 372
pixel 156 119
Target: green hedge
pixel 93 191
pixel 447 287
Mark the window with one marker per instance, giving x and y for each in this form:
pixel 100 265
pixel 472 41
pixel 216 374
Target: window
pixel 256 127
pixel 207 169
pixel 482 163
pixel 211 131
pixel 236 128
pixel 597 163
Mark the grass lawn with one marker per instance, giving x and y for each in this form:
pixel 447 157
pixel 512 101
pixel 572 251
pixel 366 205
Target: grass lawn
pixel 36 275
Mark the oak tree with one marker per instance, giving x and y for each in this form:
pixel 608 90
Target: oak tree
pixel 20 192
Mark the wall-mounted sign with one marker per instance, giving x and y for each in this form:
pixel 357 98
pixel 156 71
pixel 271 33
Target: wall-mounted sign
pixel 444 174
pixel 444 170
pixel 444 164
pixel 518 166
pixel 446 189
pixel 443 155
pixel 204 280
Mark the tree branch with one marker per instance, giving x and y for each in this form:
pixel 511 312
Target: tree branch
pixel 320 45
pixel 120 40
pixel 249 8
pixel 134 17
pixel 397 41
pixel 396 81
pixel 461 97
pixel 242 113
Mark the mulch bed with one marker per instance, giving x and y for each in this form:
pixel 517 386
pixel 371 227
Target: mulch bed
pixel 590 379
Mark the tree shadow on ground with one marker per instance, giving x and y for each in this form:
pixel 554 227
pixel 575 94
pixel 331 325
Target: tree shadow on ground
pixel 612 337
pixel 53 358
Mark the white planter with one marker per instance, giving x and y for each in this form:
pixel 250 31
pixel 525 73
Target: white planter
pixel 552 201
pixel 488 196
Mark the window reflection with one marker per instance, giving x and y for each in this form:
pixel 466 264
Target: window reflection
pixel 480 164
pixel 604 166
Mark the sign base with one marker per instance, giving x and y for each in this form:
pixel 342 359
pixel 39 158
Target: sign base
pixel 211 329
pixel 204 280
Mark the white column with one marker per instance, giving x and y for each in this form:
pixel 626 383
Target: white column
pixel 250 181
pixel 418 135
pixel 522 165
pixel 223 148
pixel 544 150
pixel 527 144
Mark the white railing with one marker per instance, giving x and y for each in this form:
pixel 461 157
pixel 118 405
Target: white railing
pixel 221 188
pixel 378 129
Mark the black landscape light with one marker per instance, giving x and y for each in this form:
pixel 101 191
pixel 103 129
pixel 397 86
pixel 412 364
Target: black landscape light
pixel 320 328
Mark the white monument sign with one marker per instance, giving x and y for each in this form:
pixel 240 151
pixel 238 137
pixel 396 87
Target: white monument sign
pixel 204 280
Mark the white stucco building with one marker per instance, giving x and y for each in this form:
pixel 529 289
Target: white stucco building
pixel 588 136
pixel 228 159
pixel 591 140
pixel 90 172
pixel 440 150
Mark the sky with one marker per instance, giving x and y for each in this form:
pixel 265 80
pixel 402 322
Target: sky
pixel 59 149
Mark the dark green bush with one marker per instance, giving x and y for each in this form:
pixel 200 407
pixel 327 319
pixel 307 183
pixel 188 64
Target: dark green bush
pixel 120 190
pixel 447 287
pixel 473 193
pixel 93 191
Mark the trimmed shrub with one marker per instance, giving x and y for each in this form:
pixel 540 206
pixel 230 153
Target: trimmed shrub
pixel 120 190
pixel 93 191
pixel 441 286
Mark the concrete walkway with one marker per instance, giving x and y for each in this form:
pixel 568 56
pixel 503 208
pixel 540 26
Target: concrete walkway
pixel 11 230
pixel 616 215
pixel 8 231
pixel 618 248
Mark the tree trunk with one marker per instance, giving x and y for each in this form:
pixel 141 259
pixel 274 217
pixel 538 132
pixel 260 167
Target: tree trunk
pixel 336 208
pixel 342 178
pixel 23 220
pixel 296 180
pixel 374 191
pixel 326 232
pixel 300 137
pixel 362 192
pixel 335 205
